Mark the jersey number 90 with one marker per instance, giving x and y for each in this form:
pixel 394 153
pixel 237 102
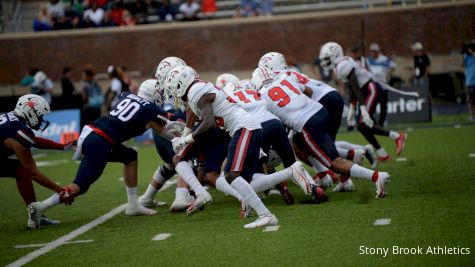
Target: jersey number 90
pixel 125 110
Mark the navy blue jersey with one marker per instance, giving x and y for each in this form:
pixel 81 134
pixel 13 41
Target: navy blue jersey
pixel 12 126
pixel 129 118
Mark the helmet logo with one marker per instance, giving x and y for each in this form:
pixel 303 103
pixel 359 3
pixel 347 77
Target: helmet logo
pixel 266 59
pixel 165 64
pixel 173 73
pixel 32 103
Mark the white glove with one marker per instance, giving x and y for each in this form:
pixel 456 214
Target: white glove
pixel 180 142
pixel 350 118
pixel 365 116
pixel 186 131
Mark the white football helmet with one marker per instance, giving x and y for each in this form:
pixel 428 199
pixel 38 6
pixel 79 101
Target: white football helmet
pixel 273 61
pixel 165 66
pixel 261 77
pixel 329 54
pixel 245 84
pixel 231 87
pixel 179 79
pixel 32 109
pixel 150 91
pixel 224 79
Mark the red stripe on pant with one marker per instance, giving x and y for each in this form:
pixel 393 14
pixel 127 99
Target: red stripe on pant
pixel 370 99
pixel 316 151
pixel 241 150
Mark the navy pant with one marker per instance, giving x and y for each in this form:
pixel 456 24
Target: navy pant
pixel 333 103
pixel 243 153
pixel 274 134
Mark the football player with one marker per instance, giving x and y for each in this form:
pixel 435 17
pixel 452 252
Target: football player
pixel 364 91
pixel 214 108
pixel 288 100
pixel 101 142
pixel 16 138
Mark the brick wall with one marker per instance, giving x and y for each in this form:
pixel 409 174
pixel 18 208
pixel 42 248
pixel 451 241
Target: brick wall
pixel 231 44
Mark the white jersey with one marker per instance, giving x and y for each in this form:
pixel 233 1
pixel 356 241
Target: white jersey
pixel 343 67
pixel 285 98
pixel 251 101
pixel 227 114
pixel 319 88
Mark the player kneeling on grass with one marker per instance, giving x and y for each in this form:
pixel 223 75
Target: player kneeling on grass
pixel 16 138
pixel 101 142
pixel 286 98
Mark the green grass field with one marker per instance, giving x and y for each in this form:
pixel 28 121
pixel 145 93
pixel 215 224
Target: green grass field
pixel 431 202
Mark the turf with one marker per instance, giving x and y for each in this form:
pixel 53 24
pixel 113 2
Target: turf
pixel 431 202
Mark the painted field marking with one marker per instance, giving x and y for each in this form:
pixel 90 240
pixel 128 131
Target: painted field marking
pixel 62 240
pixel 472 155
pixel 42 245
pixel 273 228
pixel 457 126
pixel 409 129
pixel 81 230
pixel 379 222
pixel 161 237
pixel 401 159
pixel 39 155
pixel 274 192
pixel 50 162
pixel 121 179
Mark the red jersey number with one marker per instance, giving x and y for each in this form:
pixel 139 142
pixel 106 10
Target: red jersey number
pixel 278 94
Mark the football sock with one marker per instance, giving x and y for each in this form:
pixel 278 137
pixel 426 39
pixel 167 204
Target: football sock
pixel 261 182
pixel 361 172
pixel 186 172
pixel 50 202
pixel 393 135
pixel 181 193
pixel 132 195
pixel 249 196
pixel 381 152
pixel 319 167
pixel 223 186
pixel 342 152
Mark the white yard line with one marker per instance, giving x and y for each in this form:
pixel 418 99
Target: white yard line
pixel 472 155
pixel 41 245
pixel 273 228
pixel 51 162
pixel 401 159
pixel 379 222
pixel 62 240
pixel 161 237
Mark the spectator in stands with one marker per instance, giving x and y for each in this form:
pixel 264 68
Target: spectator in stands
pixel 127 79
pixel 356 55
pixel 107 20
pixel 117 12
pixel 92 97
pixel 127 19
pixel 208 8
pixel 42 86
pixel 117 87
pixel 247 8
pixel 266 7
pixel 43 21
pixel 138 9
pixel 93 16
pixel 29 77
pixel 381 68
pixel 468 52
pixel 190 10
pixel 67 84
pixel 167 11
pixel 56 9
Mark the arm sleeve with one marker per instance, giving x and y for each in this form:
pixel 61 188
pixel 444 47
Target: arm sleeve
pixel 47 144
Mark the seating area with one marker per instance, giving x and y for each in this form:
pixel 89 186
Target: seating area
pixel 18 15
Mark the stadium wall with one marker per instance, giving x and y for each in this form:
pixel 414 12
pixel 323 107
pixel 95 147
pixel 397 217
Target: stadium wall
pixel 237 44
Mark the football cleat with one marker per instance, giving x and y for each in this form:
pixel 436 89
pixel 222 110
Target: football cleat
pixel 400 142
pixel 324 180
pixel 46 221
pixel 382 178
pixel 150 203
pixel 344 186
pixel 263 220
pixel 246 210
pixel 319 194
pixel 199 203
pixel 180 204
pixel 285 193
pixel 370 154
pixel 137 209
pixel 299 176
pixel 34 215
pixel 384 159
